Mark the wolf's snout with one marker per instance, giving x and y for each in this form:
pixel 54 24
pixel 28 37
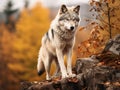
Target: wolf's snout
pixel 71 28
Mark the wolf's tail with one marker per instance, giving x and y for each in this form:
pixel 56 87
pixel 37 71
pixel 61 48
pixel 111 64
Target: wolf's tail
pixel 40 67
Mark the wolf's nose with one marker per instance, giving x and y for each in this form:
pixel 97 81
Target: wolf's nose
pixel 71 28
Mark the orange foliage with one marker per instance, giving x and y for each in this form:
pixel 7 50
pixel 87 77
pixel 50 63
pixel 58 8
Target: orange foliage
pixel 6 49
pixel 94 44
pixel 19 49
pixel 5 42
pixel 30 28
pixel 106 25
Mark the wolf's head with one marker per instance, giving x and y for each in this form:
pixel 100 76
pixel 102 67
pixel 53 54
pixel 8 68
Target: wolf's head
pixel 68 18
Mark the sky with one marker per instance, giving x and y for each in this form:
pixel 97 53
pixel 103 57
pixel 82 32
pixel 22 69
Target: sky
pixel 59 2
pixel 47 3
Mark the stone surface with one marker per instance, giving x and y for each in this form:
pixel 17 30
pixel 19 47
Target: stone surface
pixel 92 74
pixel 113 45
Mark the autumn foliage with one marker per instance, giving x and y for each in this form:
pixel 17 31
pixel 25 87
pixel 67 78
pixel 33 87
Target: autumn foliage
pixel 104 25
pixel 19 49
pixel 106 14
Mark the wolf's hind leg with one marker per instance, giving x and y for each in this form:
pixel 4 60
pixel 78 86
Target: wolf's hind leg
pixel 40 66
pixel 47 64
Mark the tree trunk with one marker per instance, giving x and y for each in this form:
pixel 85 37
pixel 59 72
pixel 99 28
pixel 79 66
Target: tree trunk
pixel 109 21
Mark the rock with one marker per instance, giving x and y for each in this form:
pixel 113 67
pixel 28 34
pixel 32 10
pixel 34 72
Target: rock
pixel 85 64
pixel 95 76
pixel 90 76
pixel 113 45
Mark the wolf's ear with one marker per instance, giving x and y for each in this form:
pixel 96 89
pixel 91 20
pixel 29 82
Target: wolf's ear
pixel 76 9
pixel 63 9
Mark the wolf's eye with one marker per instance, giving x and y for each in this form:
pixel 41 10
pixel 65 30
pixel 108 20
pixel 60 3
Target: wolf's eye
pixel 60 19
pixel 67 19
pixel 76 19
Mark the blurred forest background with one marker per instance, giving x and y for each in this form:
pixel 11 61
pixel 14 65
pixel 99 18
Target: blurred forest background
pixel 21 32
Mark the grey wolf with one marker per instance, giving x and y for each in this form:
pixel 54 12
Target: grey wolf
pixel 59 41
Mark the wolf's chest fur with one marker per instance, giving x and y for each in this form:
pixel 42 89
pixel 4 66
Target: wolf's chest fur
pixel 64 35
pixel 62 40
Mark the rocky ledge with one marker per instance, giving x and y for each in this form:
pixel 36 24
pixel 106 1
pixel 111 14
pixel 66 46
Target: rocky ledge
pixel 98 72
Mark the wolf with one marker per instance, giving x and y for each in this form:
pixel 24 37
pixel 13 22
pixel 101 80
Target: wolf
pixel 59 41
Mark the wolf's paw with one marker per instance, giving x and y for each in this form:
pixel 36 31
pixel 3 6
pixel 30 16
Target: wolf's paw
pixel 65 76
pixel 72 75
pixel 48 79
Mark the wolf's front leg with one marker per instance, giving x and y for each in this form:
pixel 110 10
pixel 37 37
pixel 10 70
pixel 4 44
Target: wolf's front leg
pixel 69 63
pixel 57 73
pixel 60 57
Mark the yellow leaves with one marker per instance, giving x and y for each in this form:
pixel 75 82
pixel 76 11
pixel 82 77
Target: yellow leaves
pixel 6 41
pixel 74 58
pixel 109 1
pixel 30 29
pixel 94 44
pixel 81 28
pixel 36 19
pixel 20 48
pixel 39 13
pixel 92 2
pixel 16 67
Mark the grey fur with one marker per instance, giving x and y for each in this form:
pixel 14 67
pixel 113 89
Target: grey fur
pixel 59 42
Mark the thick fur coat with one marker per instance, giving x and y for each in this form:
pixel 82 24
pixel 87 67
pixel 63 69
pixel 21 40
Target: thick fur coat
pixel 59 41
